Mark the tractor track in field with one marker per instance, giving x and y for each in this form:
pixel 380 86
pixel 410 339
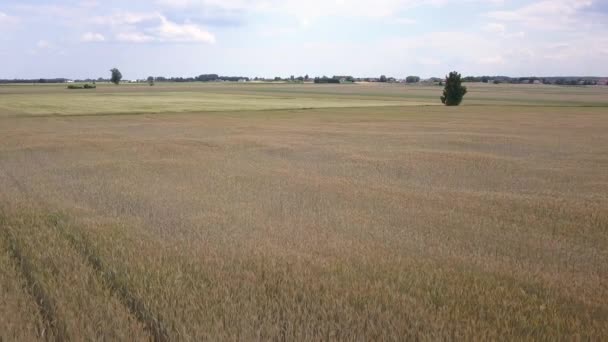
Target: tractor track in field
pixel 153 324
pixel 55 328
pixel 46 306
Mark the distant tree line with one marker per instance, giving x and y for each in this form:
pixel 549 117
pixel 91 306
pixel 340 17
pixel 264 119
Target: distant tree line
pixel 533 80
pixel 572 81
pixel 325 79
pixel 53 80
pixel 579 81
pixel 334 79
pixel 37 80
pixel 201 78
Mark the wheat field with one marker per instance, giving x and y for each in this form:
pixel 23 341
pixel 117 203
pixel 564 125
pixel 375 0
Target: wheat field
pixel 303 213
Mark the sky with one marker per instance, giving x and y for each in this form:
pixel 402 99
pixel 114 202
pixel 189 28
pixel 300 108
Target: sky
pixel 268 38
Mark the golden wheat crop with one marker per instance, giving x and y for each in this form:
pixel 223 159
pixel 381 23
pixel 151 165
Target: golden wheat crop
pixel 483 222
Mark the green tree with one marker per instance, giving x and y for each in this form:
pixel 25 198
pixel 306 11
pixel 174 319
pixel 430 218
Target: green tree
pixel 412 79
pixel 453 92
pixel 151 80
pixel 116 76
pixel 383 78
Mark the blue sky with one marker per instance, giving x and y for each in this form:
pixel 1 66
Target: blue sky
pixel 85 38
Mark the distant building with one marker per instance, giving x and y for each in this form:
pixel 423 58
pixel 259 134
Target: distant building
pixel 602 81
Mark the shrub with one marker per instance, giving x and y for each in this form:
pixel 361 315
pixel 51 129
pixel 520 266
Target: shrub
pixel 81 86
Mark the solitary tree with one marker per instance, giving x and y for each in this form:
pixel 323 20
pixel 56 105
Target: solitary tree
pixel 116 76
pixel 383 78
pixel 151 80
pixel 453 92
pixel 412 79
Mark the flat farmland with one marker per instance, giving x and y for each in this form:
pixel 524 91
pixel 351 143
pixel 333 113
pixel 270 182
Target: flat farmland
pixel 303 212
pixel 29 100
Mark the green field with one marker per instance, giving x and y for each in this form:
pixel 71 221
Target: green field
pixel 195 98
pixel 303 212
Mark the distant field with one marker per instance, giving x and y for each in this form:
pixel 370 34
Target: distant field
pixel 303 212
pixel 22 100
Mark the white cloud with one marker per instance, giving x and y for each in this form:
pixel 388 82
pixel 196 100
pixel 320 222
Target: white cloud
pixel 123 18
pixel 479 53
pixel 500 30
pixel 134 37
pixel 151 27
pixel 45 47
pixel 495 28
pixel 546 14
pixel 307 11
pixel 43 44
pixel 7 20
pixel 171 32
pixel 123 25
pixel 492 60
pixel 90 37
pixel 39 11
pixel 429 61
pixel 556 31
pixel 405 21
